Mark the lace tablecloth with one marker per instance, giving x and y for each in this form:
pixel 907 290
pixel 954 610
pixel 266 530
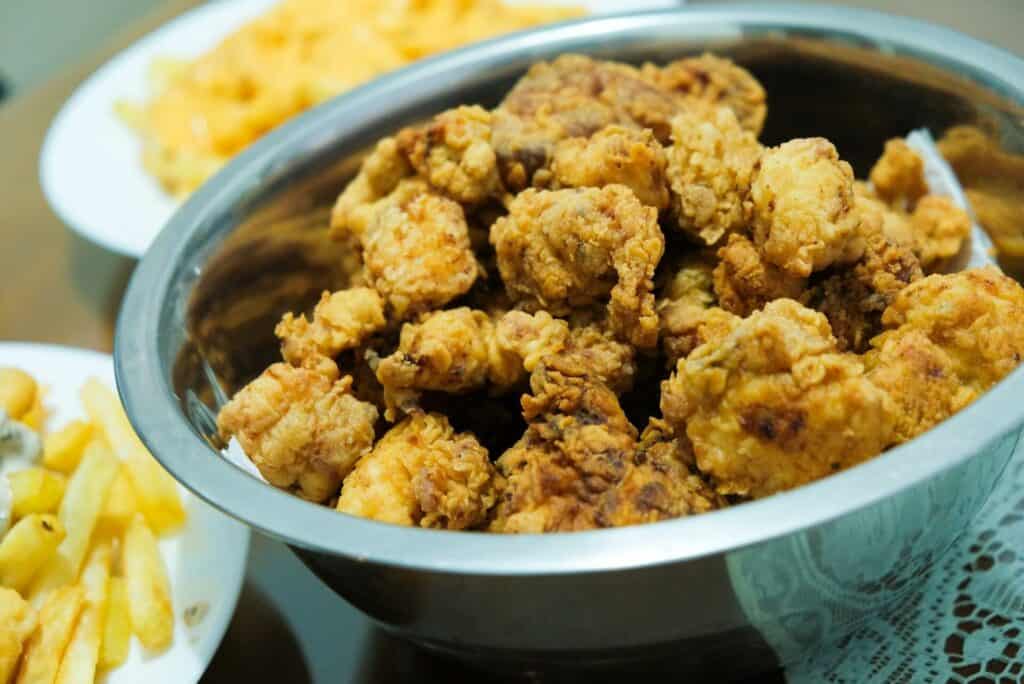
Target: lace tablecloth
pixel 966 621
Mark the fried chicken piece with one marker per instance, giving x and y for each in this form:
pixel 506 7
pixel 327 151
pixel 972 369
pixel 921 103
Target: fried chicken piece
pixel 380 174
pixel 950 338
pixel 854 297
pixel 571 97
pixel 531 337
pixel 341 320
pixel 804 217
pixel 593 352
pixel 614 155
pixel 687 305
pixel 452 351
pixel 416 249
pixel 301 427
pixel 920 377
pixel 745 282
pixel 713 81
pixel 976 316
pixel 569 248
pixel 578 466
pixel 939 228
pixel 876 215
pixel 773 405
pixel 898 175
pixel 17 622
pixel 711 167
pixel 423 474
pixel 454 154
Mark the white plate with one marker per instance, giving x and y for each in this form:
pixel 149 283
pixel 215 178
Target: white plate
pixel 205 560
pixel 90 166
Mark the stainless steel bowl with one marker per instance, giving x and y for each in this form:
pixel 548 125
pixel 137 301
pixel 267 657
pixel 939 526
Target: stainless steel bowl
pixel 766 580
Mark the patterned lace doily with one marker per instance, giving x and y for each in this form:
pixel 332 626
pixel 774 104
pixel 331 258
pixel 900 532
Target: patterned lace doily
pixel 966 621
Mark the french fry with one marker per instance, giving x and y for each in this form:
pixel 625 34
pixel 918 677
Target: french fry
pixel 149 590
pixel 27 547
pixel 121 506
pixel 117 628
pixel 18 392
pixel 62 450
pixel 79 511
pixel 35 417
pixel 17 622
pixel 157 491
pixel 46 646
pixel 35 490
pixel 82 655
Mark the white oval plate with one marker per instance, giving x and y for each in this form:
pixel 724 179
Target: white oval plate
pixel 90 166
pixel 205 560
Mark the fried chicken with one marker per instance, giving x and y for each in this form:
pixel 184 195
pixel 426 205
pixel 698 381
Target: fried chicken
pixel 949 338
pixel 17 622
pixel 713 81
pixel 341 320
pixel 421 473
pixel 773 405
pixel 803 207
pixel 454 154
pixel 744 281
pixel 301 427
pixel 579 466
pixel 687 305
pixel 711 167
pixel 415 247
pixel 567 248
pixel 452 351
pixel 381 172
pixel 939 228
pixel 898 175
pixel 614 155
pixel 571 97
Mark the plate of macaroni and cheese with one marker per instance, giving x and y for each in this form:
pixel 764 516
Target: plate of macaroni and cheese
pixel 161 117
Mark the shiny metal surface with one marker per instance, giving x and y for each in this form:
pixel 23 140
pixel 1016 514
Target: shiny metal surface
pixel 789 571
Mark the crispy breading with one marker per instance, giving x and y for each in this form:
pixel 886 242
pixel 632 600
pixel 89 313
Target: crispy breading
pixel 614 154
pixel 341 320
pixel 773 405
pixel 686 304
pixel 975 316
pixel 416 248
pixel 453 153
pixel 940 229
pixel 422 473
pixel 381 172
pixel 898 175
pixel 301 427
pixel 579 466
pixel 569 248
pixel 803 207
pixel 711 166
pixel 452 351
pixel 571 97
pixel 745 281
pixel 711 80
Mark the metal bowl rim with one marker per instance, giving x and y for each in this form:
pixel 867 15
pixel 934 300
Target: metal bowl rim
pixel 154 410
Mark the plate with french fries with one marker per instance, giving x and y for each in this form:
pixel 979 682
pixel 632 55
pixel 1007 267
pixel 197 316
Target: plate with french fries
pixel 166 113
pixel 109 570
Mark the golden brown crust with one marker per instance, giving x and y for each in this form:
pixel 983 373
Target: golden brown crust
pixel 569 248
pixel 709 80
pixel 711 167
pixel 422 473
pixel 940 229
pixel 454 154
pixel 898 175
pixel 614 155
pixel 745 282
pixel 381 172
pixel 803 204
pixel 341 320
pixel 773 405
pixel 301 427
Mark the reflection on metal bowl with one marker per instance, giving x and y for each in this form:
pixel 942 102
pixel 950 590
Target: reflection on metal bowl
pixel 731 590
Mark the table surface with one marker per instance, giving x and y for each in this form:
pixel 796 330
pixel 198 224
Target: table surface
pixel 288 626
